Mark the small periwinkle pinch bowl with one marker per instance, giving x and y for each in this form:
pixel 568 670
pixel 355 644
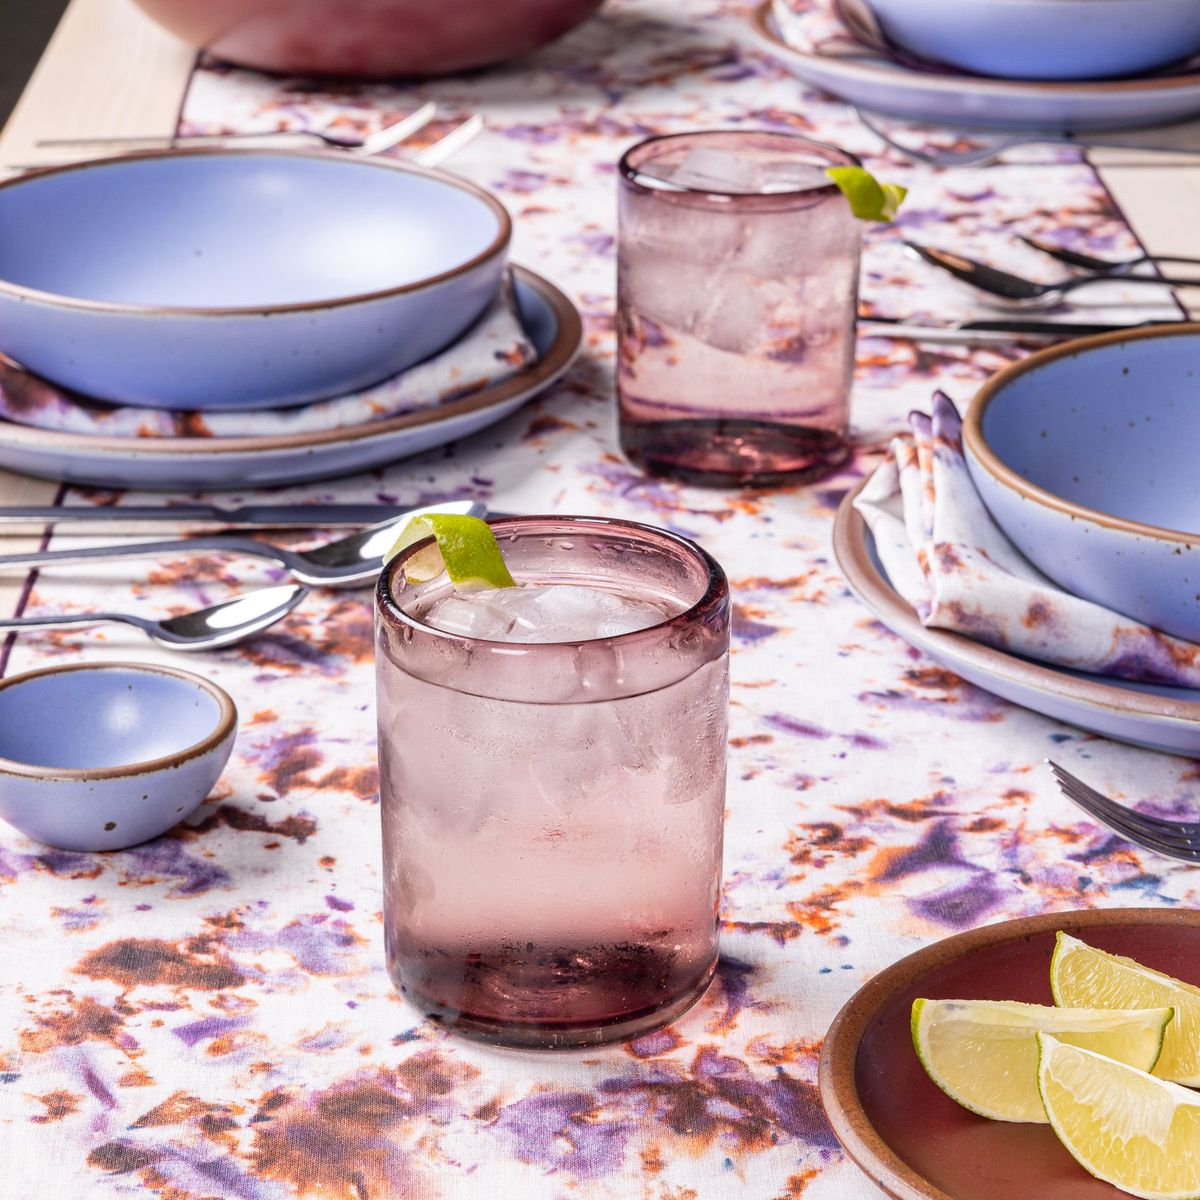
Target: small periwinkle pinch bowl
pixel 240 279
pixel 1044 39
pixel 1085 455
pixel 104 756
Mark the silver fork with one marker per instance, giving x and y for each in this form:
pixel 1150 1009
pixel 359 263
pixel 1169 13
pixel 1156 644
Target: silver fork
pixel 448 144
pixel 1171 839
pixel 351 143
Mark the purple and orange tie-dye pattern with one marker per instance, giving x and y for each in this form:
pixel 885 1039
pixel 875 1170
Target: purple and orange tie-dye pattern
pixel 209 1016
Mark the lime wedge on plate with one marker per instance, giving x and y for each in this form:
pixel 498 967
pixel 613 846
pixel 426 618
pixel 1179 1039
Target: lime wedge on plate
pixel 1138 1133
pixel 869 199
pixel 464 547
pixel 983 1053
pixel 1083 975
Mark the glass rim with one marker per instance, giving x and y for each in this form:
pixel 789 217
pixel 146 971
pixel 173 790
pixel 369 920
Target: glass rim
pixel 716 588
pixel 633 175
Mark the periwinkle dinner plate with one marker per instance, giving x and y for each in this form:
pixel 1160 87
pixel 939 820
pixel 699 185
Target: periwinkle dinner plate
pixel 202 463
pixel 1144 714
pixel 913 1140
pixel 881 85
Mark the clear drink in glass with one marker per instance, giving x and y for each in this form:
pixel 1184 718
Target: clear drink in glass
pixel 737 294
pixel 553 783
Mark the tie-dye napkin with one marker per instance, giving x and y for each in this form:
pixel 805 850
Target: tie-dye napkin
pixel 493 349
pixel 955 566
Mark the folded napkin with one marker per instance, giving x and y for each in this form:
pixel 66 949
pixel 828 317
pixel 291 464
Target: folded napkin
pixel 494 348
pixel 954 565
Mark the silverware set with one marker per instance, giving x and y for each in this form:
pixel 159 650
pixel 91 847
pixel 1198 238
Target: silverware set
pixel 350 561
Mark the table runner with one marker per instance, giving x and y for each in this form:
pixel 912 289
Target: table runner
pixel 208 1015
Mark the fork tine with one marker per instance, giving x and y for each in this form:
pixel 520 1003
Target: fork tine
pixel 1154 826
pixel 390 135
pixel 1130 831
pixel 1111 816
pixel 1182 853
pixel 454 141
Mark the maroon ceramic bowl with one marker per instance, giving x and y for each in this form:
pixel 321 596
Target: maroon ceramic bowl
pixel 908 1135
pixel 368 38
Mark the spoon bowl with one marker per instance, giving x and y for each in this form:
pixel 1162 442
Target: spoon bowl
pixel 211 628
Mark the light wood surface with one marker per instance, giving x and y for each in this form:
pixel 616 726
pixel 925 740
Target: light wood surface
pixel 109 70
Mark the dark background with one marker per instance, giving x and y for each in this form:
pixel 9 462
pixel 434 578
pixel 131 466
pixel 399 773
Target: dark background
pixel 25 28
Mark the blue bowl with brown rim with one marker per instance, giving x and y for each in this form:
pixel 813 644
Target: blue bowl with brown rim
pixel 1085 456
pixel 100 756
pixel 233 279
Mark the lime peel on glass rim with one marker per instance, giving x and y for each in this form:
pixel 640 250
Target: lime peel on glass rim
pixel 869 199
pixel 984 1055
pixel 464 547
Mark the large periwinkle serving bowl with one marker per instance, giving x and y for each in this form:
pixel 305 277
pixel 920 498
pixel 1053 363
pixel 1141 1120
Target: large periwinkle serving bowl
pixel 103 756
pixel 1044 39
pixel 368 38
pixel 1086 456
pixel 221 279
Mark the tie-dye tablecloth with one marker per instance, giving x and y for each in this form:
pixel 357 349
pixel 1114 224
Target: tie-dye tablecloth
pixel 208 1015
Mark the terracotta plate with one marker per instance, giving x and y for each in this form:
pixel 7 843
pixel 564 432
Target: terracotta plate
pixel 905 1133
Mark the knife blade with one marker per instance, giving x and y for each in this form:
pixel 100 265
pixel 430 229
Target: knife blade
pixel 21 520
pixel 999 331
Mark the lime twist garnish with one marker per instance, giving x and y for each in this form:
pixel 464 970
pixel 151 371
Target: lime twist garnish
pixel 464 547
pixel 869 199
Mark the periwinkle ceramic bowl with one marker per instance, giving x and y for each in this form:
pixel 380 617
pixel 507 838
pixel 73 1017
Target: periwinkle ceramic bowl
pixel 223 279
pixel 103 756
pixel 1044 39
pixel 1085 454
pixel 368 38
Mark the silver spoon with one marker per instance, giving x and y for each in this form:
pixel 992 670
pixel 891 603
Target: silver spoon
pixel 206 629
pixel 1015 290
pixel 352 560
pixel 1089 262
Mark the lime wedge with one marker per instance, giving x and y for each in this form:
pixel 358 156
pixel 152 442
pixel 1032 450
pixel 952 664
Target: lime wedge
pixel 983 1053
pixel 1138 1133
pixel 1083 975
pixel 869 199
pixel 464 547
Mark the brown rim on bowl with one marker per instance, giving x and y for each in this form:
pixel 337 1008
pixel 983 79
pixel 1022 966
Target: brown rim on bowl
pixel 498 244
pixel 974 440
pixel 226 724
pixel 555 361
pixel 762 26
pixel 853 557
pixel 836 1072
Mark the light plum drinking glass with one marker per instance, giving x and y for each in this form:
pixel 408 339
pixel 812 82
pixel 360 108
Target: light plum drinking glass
pixel 553 812
pixel 737 295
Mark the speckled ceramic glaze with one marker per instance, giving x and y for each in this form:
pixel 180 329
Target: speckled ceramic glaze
pixel 100 757
pixel 1085 456
pixel 913 1140
pixel 1044 39
pixel 943 97
pixel 212 279
pixel 1144 714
